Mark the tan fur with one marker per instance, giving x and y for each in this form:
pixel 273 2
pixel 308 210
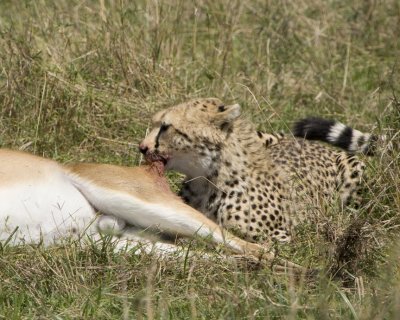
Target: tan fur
pixel 17 166
pixel 143 182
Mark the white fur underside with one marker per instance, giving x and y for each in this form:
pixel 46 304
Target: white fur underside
pixel 44 210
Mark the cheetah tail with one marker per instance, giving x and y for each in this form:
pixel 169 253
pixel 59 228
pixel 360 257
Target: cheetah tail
pixel 335 133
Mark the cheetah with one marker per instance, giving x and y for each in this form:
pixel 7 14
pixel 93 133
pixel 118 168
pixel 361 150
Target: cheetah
pixel 256 184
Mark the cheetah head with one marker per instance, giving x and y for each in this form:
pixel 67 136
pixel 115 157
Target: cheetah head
pixel 188 137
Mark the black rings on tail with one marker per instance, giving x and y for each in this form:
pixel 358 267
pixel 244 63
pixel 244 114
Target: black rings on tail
pixel 335 133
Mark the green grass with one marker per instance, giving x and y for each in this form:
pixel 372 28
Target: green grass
pixel 79 81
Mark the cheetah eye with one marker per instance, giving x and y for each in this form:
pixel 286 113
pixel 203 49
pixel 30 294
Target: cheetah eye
pixel 221 108
pixel 164 127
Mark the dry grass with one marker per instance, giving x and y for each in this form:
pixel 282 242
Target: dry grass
pixel 79 81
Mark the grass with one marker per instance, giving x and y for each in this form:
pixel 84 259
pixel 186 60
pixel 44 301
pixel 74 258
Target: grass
pixel 79 81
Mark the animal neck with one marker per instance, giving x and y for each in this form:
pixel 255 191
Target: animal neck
pixel 240 152
pixel 233 164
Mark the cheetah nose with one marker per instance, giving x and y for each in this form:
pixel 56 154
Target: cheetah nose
pixel 143 148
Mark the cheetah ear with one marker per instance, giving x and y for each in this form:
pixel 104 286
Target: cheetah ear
pixel 227 114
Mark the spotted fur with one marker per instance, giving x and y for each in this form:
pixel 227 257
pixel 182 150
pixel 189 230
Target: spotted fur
pixel 259 184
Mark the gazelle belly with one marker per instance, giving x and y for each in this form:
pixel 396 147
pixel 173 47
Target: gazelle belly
pixel 44 209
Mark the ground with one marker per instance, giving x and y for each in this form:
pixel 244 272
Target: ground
pixel 79 81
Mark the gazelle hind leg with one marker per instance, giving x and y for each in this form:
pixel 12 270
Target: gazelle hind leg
pixel 107 224
pixel 130 238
